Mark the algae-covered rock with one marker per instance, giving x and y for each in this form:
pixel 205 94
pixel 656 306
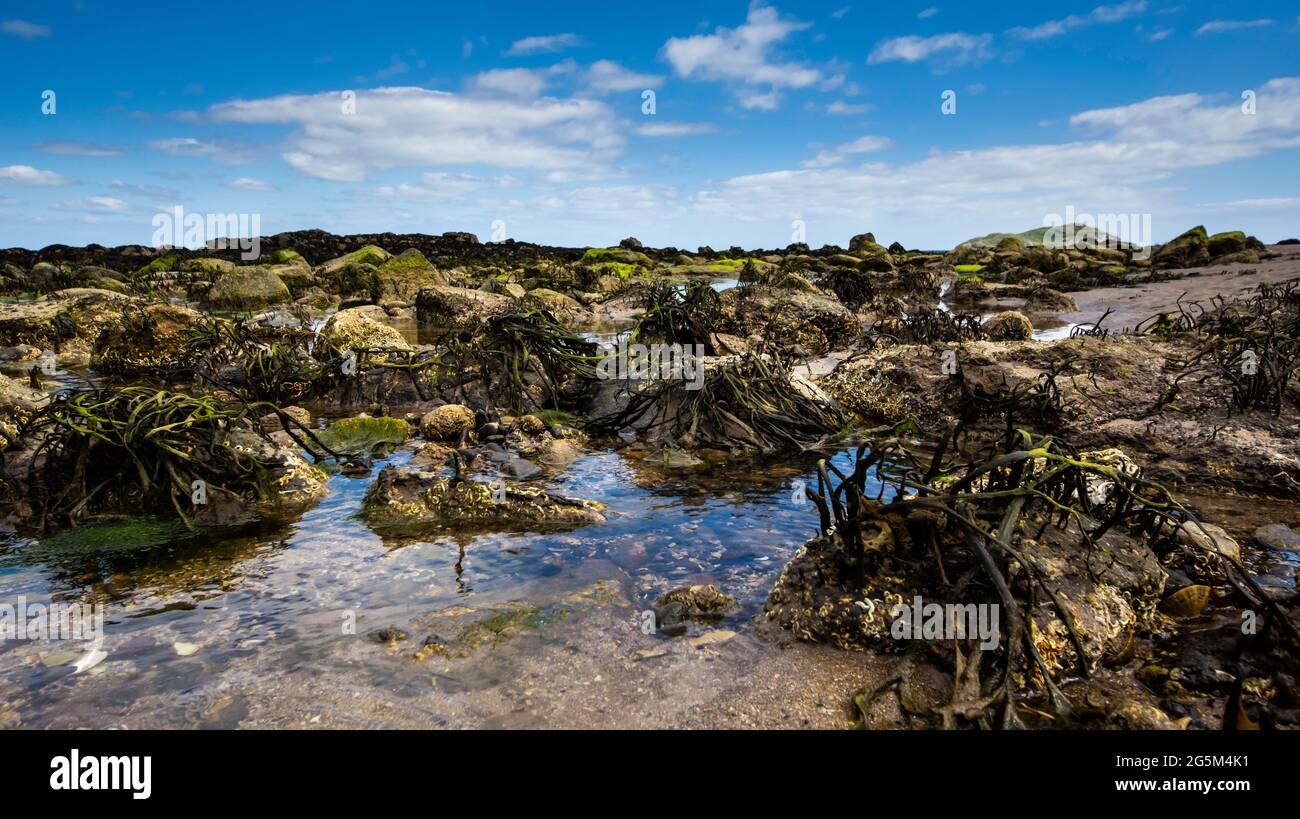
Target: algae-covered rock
pixel 246 288
pixel 1009 326
pixel 402 276
pixel 146 340
pixel 1230 241
pixel 1191 249
pixel 565 309
pixel 364 433
pixel 353 330
pixel 817 322
pixel 447 422
pixel 460 308
pixel 370 254
pixel 404 498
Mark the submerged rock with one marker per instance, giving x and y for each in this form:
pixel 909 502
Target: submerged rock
pixel 402 497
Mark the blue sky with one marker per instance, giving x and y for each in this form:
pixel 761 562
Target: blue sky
pixel 529 116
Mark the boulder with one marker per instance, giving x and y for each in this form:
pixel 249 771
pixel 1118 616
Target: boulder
pixel 447 422
pixel 1008 326
pixel 405 498
pixel 459 308
pixel 1191 249
pixel 354 330
pixel 246 288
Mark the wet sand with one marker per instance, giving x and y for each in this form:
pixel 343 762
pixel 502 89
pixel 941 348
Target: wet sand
pixel 1133 304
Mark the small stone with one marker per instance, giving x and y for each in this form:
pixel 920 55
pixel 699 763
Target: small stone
pixel 1279 537
pixel 650 653
pixel 520 469
pixel 712 638
pixel 184 649
pixel 1186 602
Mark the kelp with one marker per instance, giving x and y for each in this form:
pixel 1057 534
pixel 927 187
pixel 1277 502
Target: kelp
pixel 1251 344
pixel 969 523
pixel 525 361
pixel 685 314
pixel 142 449
pixel 749 403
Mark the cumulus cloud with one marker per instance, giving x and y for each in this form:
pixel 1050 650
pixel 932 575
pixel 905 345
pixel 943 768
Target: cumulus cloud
pixel 1219 26
pixel 1101 14
pixel 744 56
pixel 442 186
pixel 956 49
pixel 547 44
pixel 838 154
pixel 519 82
pixel 77 147
pixel 27 175
pixel 232 153
pixel 675 129
pixel 1140 144
pixel 25 30
pixel 607 75
pixel 407 126
pixel 248 184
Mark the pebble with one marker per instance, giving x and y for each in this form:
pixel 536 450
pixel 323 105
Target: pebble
pixel 1279 537
pixel 712 638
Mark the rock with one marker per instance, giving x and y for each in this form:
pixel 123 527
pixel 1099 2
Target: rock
pixel 503 288
pixel 352 329
pixel 271 422
pixel 559 452
pixel 458 307
pixel 147 340
pixel 363 434
pixel 407 498
pixel 75 315
pixel 184 649
pixel 246 288
pixel 370 254
pixel 1191 249
pixel 817 322
pixel 700 601
pixel 1186 602
pixel 530 425
pixel 712 638
pixel 1279 537
pixel 402 276
pixel 520 469
pixel 565 309
pixel 630 243
pixel 447 422
pixel 1231 241
pixel 1009 326
pixel 671 619
pixel 1209 536
pixel 862 240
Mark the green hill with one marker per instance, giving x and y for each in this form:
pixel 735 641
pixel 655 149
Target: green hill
pixel 1035 236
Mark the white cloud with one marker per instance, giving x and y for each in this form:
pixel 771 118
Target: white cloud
pixel 743 56
pixel 1145 142
pixel 227 152
pixel 927 13
pixel 547 44
pixel 1160 34
pixel 846 109
pixel 25 30
pixel 675 129
pixel 1218 26
pixel 607 75
pixel 94 204
pixel 443 186
pixel 838 154
pixel 957 48
pixel 407 126
pixel 248 184
pixel 27 175
pixel 519 82
pixel 77 147
pixel 1101 14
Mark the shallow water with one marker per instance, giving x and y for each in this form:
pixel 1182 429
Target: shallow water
pixel 181 611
